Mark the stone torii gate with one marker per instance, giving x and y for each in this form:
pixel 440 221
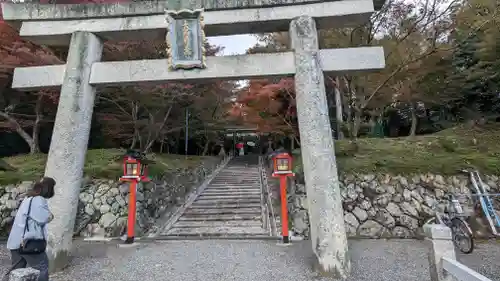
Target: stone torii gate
pixel 84 28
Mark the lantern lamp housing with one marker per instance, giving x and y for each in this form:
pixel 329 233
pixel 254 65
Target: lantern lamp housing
pixel 135 166
pixel 131 167
pixel 283 164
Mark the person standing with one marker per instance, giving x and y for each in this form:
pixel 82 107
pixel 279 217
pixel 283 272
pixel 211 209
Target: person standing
pixel 27 239
pixel 240 148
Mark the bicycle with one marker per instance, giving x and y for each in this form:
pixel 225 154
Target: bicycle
pixel 484 201
pixel 454 217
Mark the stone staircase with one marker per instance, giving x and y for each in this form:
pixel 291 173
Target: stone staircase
pixel 230 206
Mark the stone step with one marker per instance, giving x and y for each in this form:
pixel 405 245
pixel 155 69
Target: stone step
pixel 242 174
pixel 231 192
pixel 232 217
pixel 217 224
pixel 233 188
pixel 227 204
pixel 223 211
pixel 210 201
pixel 234 193
pixel 241 165
pixel 229 185
pixel 225 201
pixel 246 171
pixel 244 183
pixel 235 180
pixel 235 185
pixel 256 237
pixel 224 205
pixel 229 207
pixel 241 170
pixel 228 196
pixel 219 231
pixel 232 169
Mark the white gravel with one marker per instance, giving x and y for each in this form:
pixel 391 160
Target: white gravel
pixel 225 260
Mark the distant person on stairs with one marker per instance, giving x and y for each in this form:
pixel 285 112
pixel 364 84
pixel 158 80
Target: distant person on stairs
pixel 27 239
pixel 240 148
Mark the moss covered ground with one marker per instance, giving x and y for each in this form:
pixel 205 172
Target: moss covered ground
pixel 445 152
pixel 100 163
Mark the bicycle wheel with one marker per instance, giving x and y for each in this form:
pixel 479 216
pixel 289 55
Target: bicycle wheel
pixel 462 236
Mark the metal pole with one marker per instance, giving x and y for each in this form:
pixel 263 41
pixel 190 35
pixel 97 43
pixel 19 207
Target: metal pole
pixel 187 133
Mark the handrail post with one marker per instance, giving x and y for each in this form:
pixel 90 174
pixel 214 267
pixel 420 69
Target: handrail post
pixel 438 240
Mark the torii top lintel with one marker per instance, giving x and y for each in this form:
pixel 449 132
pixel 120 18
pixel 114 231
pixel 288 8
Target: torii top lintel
pixel 32 11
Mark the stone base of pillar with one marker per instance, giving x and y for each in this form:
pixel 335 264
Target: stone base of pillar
pixel 58 259
pixel 321 271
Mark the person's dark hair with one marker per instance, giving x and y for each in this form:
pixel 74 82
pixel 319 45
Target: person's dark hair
pixel 44 188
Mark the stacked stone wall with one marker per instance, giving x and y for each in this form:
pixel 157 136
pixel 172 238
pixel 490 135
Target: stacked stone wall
pixel 387 206
pixel 103 204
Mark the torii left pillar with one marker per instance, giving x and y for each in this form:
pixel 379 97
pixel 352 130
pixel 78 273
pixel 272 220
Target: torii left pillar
pixel 69 142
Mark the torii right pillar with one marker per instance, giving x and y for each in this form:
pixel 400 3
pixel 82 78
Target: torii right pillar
pixel 326 215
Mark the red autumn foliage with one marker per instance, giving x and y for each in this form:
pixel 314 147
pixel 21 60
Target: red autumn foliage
pixel 15 51
pixel 268 105
pixel 140 113
pixel 20 111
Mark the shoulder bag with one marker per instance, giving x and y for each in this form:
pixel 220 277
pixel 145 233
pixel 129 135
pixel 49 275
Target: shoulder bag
pixel 32 246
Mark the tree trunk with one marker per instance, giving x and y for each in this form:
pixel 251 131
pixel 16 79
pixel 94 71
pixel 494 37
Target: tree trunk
pixel 137 135
pixel 372 123
pixel 338 109
pixel 151 140
pixel 36 126
pixel 162 142
pixel 356 123
pixel 134 141
pixel 205 148
pixel 414 121
pixel 19 129
pixel 349 121
pixel 349 108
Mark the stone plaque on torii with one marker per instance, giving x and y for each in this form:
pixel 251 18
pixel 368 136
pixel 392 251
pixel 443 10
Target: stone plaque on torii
pixel 85 27
pixel 185 39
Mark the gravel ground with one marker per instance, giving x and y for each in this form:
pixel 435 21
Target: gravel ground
pixel 226 260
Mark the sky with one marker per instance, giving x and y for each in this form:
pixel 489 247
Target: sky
pixel 235 44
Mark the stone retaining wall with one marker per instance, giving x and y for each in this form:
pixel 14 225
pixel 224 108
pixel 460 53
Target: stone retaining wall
pixel 102 209
pixel 378 206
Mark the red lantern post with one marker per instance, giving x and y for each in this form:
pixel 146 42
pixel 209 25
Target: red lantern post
pixel 283 169
pixel 134 171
